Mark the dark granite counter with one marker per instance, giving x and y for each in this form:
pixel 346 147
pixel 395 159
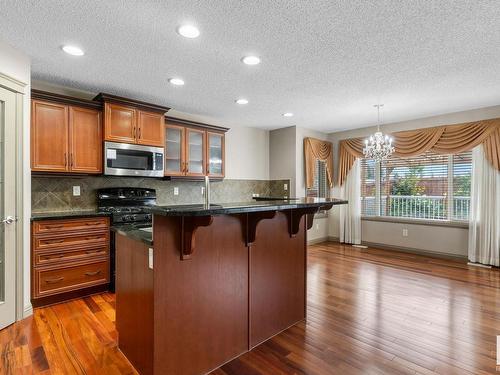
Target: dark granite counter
pixel 66 215
pixel 244 207
pixel 144 235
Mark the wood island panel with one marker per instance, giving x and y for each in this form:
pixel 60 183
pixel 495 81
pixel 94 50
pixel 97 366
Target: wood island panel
pixel 201 304
pixel 277 265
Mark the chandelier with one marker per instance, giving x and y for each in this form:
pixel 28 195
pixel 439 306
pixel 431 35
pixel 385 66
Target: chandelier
pixel 378 147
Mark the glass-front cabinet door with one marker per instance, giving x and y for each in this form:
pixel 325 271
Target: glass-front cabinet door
pixel 215 154
pixel 195 152
pixel 174 151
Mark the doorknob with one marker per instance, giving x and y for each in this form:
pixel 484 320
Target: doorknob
pixel 9 220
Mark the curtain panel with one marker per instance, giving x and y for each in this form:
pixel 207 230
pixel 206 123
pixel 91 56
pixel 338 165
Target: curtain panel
pixel 449 139
pixel 316 149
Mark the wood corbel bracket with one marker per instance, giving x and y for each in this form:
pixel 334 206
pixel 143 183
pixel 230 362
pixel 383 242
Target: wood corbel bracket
pixel 294 216
pixel 310 217
pixel 189 225
pixel 252 219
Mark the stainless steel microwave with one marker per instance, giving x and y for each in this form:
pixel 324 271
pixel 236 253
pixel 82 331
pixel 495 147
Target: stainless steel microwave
pixel 123 159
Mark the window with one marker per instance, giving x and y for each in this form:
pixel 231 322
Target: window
pixel 429 186
pixel 320 187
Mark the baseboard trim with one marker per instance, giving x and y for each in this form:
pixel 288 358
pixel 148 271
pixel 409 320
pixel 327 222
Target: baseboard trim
pixel 411 250
pixel 27 311
pixel 317 240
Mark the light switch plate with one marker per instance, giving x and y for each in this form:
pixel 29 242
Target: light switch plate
pixel 76 191
pixel 176 190
pixel 150 258
pixel 255 195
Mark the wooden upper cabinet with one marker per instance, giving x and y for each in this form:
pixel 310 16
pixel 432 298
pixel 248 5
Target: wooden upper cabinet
pixel 49 137
pixel 120 123
pixel 66 134
pixel 193 149
pixel 195 152
pixel 132 121
pixel 174 150
pixel 150 129
pixel 215 154
pixel 85 131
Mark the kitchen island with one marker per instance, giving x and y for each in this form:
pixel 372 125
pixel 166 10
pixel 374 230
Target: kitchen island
pixel 225 279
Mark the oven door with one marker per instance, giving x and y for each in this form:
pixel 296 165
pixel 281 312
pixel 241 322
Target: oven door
pixel 122 159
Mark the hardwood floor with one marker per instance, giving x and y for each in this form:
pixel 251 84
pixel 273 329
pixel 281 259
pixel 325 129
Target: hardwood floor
pixel 369 312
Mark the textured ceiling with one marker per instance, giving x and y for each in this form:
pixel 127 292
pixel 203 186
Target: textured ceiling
pixel 326 61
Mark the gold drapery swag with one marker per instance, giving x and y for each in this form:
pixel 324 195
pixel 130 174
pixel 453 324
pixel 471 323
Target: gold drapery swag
pixel 316 149
pixel 449 139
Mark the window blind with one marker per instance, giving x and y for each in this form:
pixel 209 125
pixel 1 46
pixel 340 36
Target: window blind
pixel 320 187
pixel 428 186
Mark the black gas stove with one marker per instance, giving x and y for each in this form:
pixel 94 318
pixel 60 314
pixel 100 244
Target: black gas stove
pixel 127 205
pixel 128 210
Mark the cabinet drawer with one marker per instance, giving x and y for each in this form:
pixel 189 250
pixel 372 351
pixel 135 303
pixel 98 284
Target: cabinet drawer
pixel 70 241
pixel 70 225
pixel 63 279
pixel 63 256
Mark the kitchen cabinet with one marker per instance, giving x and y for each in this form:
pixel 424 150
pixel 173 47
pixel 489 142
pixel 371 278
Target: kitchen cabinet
pixel 69 258
pixel 193 149
pixel 49 137
pixel 131 121
pixel 215 154
pixel 65 138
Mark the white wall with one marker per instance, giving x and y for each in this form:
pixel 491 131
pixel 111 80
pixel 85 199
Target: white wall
pixel 282 155
pixel 17 65
pixel 247 154
pixel 440 239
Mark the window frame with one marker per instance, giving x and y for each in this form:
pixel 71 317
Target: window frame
pixel 410 220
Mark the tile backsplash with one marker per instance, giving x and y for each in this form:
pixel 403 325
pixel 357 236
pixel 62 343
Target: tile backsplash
pixel 56 193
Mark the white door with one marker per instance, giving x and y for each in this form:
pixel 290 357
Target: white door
pixel 7 207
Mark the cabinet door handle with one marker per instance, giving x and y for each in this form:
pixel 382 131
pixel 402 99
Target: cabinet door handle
pixel 92 273
pixel 134 133
pixel 139 132
pixel 65 160
pixel 72 160
pixel 53 281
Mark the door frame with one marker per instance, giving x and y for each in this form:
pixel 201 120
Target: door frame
pixel 19 88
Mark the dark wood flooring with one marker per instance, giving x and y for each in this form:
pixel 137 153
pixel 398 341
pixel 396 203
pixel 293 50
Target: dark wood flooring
pixel 369 312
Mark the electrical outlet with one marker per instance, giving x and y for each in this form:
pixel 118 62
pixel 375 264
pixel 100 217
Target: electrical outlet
pixel 255 195
pixel 203 190
pixel 76 191
pixel 176 190
pixel 285 187
pixel 150 258
pixel 405 232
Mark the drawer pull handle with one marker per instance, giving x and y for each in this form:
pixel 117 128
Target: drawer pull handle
pixel 53 256
pixel 92 273
pixel 92 224
pixel 93 238
pixel 53 281
pixel 54 226
pixel 54 241
pixel 95 252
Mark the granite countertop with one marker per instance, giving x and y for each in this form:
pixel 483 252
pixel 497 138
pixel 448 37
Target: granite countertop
pixel 135 232
pixel 66 214
pixel 243 207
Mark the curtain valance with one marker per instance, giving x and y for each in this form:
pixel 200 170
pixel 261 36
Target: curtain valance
pixel 449 139
pixel 316 149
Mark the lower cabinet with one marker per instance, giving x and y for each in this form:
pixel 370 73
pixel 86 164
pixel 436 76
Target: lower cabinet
pixel 69 258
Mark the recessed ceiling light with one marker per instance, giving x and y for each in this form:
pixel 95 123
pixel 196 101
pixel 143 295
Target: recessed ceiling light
pixel 288 114
pixel 176 81
pixel 73 50
pixel 241 101
pixel 251 60
pixel 188 31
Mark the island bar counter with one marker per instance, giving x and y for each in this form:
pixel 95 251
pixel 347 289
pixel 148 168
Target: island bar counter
pixel 225 279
